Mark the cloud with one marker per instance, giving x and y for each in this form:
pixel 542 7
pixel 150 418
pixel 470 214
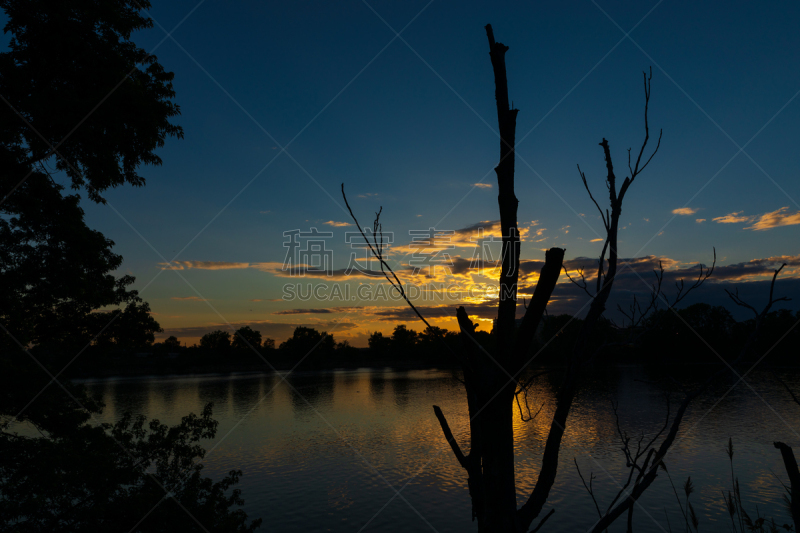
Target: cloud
pixel 337 224
pixel 203 265
pixel 274 268
pixel 780 217
pixel 367 195
pixel 732 218
pixel 757 268
pixel 265 212
pixel 482 185
pixel 685 211
pixel 597 240
pixel 700 220
pixel 189 298
pixel 467 237
pixel 303 311
pixel 303 271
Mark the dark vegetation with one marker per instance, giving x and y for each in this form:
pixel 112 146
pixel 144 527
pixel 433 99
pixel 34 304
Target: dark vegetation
pixel 664 338
pixel 82 109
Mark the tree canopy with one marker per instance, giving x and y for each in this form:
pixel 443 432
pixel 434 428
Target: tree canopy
pixel 83 108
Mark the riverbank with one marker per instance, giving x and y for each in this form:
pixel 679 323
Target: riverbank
pixel 163 369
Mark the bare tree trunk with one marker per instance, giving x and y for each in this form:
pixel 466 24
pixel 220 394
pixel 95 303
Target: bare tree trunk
pixel 790 463
pixel 497 391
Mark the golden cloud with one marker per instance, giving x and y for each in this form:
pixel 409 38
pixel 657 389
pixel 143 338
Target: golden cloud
pixel 732 218
pixel 685 211
pixel 337 224
pixel 203 265
pixel 482 185
pixel 780 217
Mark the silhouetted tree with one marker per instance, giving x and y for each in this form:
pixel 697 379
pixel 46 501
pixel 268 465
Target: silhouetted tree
pixel 216 341
pixel 129 330
pixel 378 344
pixel 80 99
pixel 403 341
pixel 82 108
pixel 105 478
pixel 347 352
pixel 246 339
pixel 172 343
pixel 495 375
pixel 306 340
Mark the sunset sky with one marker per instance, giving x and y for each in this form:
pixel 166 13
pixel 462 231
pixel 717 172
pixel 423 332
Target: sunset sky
pixel 282 102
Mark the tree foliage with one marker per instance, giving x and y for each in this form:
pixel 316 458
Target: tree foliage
pixel 83 107
pixel 246 339
pixel 73 73
pixel 216 341
pixel 112 477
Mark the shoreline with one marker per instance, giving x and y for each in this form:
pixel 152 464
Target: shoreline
pixel 241 370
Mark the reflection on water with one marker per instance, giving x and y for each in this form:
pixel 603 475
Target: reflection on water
pixel 326 451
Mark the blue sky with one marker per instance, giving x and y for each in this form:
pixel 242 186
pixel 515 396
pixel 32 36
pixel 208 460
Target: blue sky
pixel 408 124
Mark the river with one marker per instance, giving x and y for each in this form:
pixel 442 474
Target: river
pixel 350 451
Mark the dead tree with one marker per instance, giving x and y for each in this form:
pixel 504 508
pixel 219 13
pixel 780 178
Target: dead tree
pixel 787 455
pixel 492 380
pixel 643 473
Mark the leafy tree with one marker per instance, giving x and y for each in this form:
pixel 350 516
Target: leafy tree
pixel 83 107
pixel 129 330
pixel 64 59
pixel 403 340
pixel 429 344
pixel 172 343
pixel 102 478
pixel 216 341
pixel 81 102
pixel 347 351
pixel 378 344
pixel 268 344
pixel 245 339
pixel 673 335
pixel 54 270
pixel 432 335
pixel 305 341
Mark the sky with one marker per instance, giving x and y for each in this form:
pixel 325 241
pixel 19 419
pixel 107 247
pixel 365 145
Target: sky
pixel 283 102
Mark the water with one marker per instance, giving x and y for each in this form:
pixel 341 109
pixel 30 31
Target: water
pixel 331 451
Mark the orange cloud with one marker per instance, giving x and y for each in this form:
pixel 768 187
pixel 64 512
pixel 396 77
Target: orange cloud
pixel 780 217
pixel 337 224
pixel 732 218
pixel 685 211
pixel 203 265
pixel 482 185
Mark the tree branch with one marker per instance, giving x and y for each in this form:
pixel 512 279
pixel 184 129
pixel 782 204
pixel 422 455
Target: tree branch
pixel 451 440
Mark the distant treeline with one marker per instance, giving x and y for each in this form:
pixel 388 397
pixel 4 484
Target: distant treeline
pixel 695 334
pixel 309 348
